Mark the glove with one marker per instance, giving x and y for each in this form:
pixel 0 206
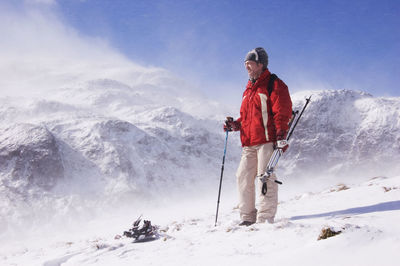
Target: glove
pixel 281 142
pixel 231 125
pixel 281 134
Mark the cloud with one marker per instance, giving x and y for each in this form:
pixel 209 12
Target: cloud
pixel 39 52
pixel 41 55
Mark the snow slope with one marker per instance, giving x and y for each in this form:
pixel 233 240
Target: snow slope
pixel 366 214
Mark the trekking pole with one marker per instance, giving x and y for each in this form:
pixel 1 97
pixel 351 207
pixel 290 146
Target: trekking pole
pixel 222 170
pixel 273 161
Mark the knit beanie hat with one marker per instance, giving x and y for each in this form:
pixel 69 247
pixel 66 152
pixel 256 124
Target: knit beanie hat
pixel 258 55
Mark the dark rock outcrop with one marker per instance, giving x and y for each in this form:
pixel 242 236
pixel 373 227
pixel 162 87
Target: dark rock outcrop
pixel 29 156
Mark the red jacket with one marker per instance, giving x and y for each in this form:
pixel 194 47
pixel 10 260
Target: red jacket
pixel 262 115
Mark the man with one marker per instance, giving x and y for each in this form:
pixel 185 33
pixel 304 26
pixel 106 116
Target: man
pixel 263 120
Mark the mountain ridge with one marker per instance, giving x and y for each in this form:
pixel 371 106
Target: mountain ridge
pixel 115 152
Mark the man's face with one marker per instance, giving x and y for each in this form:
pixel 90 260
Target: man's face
pixel 253 68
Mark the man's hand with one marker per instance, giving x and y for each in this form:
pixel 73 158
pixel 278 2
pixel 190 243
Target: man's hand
pixel 281 134
pixel 231 125
pixel 281 142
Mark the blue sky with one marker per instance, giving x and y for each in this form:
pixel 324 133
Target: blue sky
pixel 311 44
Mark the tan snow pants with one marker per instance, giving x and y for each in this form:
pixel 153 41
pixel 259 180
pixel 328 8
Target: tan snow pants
pixel 253 162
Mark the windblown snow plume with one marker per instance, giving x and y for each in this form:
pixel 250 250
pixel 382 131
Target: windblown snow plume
pixel 106 141
pixel 116 144
pixel 85 130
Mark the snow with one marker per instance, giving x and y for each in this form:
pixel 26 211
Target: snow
pixel 365 213
pixel 89 141
pixel 118 151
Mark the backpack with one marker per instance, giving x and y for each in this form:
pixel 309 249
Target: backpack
pixel 271 81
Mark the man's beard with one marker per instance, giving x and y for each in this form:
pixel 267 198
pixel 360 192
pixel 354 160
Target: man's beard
pixel 254 75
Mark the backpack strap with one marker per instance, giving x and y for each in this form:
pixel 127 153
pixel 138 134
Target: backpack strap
pixel 271 81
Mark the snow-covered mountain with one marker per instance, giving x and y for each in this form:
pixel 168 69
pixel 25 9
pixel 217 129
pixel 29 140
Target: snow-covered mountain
pixel 117 143
pixel 111 131
pixel 106 141
pixel 105 147
pixel 108 130
pixel 345 133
